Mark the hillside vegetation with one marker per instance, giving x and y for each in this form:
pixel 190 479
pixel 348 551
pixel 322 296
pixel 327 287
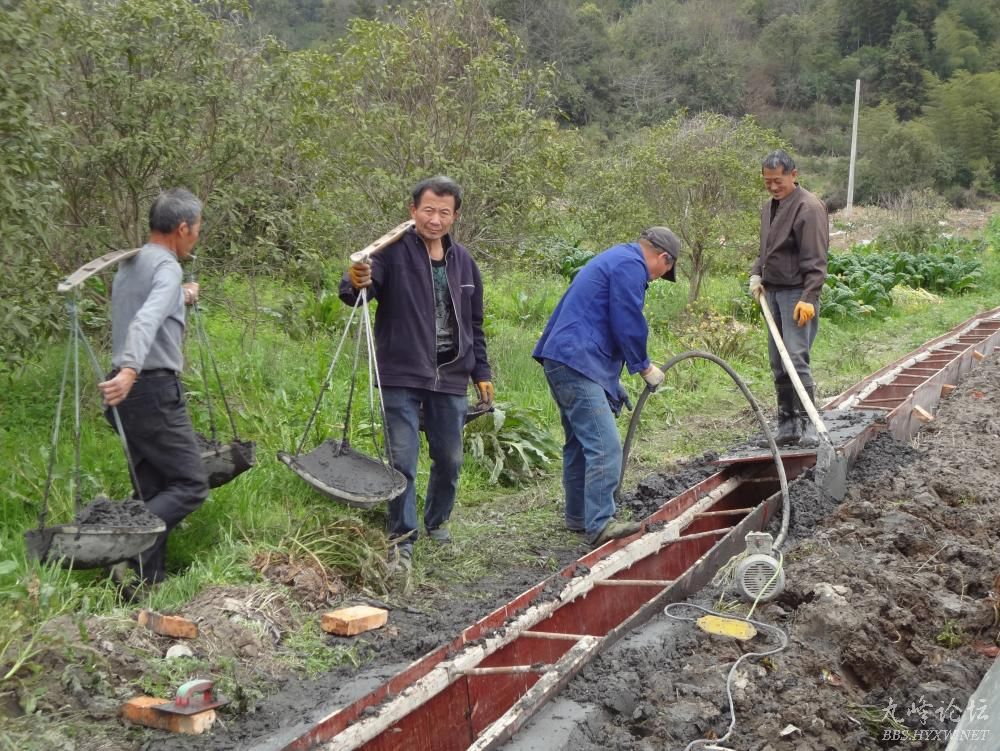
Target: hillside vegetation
pixel 571 125
pixel 302 125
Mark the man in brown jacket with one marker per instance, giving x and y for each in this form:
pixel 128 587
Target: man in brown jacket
pixel 790 271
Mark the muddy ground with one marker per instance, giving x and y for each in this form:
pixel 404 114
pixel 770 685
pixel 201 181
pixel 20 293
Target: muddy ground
pixel 890 609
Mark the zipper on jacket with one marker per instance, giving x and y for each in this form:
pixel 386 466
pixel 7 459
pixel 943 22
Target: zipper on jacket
pixel 454 309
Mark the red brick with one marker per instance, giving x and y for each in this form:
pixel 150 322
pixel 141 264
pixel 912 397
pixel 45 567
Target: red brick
pixel 139 710
pixel 354 620
pixel 168 625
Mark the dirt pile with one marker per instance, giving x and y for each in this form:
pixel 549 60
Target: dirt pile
pixel 651 491
pixel 891 610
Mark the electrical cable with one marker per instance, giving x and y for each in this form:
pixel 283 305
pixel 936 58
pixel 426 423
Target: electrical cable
pixel 774 630
pixel 705 743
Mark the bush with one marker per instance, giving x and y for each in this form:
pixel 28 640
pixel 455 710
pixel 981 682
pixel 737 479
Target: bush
pixel 575 260
pixel 511 444
pixel 720 334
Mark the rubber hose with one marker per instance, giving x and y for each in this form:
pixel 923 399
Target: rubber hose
pixel 758 412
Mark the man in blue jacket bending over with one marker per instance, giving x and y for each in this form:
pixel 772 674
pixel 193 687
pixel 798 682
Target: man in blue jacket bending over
pixel 430 344
pixel 596 328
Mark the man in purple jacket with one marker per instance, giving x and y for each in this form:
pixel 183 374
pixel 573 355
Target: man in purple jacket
pixel 596 329
pixel 430 344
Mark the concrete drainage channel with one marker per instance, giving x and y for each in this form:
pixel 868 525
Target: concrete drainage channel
pixel 485 686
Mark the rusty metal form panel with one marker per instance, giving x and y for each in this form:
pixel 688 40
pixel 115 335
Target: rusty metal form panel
pixel 907 402
pixel 528 650
pixel 950 355
pixel 477 691
pixel 493 694
pixel 596 613
pixel 444 725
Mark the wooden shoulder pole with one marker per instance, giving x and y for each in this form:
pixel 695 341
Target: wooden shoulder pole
pixel 82 274
pixel 387 239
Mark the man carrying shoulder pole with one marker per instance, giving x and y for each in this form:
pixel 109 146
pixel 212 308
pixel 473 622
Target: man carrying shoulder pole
pixel 431 345
pixel 147 331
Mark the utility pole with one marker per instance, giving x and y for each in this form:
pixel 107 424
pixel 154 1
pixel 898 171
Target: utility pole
pixel 854 148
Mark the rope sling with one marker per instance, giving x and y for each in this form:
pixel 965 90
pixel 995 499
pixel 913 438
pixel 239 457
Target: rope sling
pixel 103 532
pixel 223 461
pixel 335 468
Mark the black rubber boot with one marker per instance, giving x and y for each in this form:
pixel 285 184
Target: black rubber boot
pixel 810 438
pixel 789 431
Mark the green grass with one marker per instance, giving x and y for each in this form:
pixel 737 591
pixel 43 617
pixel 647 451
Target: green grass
pixel 273 365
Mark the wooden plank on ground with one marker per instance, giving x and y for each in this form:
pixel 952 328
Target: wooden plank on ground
pixel 354 620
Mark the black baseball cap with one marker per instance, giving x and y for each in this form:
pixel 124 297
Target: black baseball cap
pixel 663 239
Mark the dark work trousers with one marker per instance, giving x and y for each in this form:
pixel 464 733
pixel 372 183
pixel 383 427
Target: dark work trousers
pixel 166 457
pixel 798 340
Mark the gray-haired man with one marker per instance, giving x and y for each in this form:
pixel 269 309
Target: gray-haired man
pixel 147 330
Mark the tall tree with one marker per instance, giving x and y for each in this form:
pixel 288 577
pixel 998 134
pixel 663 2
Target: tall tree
pixel 683 55
pixel 964 113
pixel 909 147
pixel 699 175
pixel 574 38
pixel 956 47
pixel 30 193
pixel 159 94
pixel 867 23
pixel 442 88
pixel 903 77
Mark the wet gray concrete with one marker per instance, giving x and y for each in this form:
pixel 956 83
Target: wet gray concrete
pixel 844 425
pixel 341 468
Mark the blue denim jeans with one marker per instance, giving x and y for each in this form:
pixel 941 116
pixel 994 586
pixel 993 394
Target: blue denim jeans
pixel 798 340
pixel 592 454
pixel 444 421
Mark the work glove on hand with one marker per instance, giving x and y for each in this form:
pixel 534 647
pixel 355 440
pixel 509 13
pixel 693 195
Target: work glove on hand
pixel 756 286
pixel 360 274
pixel 485 389
pixel 803 313
pixel 653 377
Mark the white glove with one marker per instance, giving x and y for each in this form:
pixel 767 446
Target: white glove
pixel 756 286
pixel 653 377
